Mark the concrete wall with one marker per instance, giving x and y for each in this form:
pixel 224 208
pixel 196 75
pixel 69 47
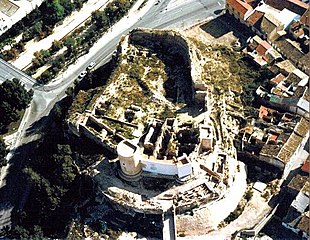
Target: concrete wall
pixel 167 167
pixel 184 170
pixel 159 167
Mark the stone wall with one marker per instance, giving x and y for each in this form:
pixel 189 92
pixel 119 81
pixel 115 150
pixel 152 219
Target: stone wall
pixel 189 52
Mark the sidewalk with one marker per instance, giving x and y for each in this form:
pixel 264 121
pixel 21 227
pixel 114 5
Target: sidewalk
pixel 125 23
pixel 69 24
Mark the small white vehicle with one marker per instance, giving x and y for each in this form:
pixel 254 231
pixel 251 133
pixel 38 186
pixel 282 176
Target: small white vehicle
pixel 91 66
pixel 82 75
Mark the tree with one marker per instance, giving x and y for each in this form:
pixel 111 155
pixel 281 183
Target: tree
pixel 58 9
pixel 37 28
pixel 45 77
pixel 3 153
pixel 65 174
pixel 56 45
pixel 70 43
pixel 13 98
pixel 20 232
pixel 14 93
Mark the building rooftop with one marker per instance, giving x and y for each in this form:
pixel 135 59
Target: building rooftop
pixel 255 18
pixel 277 79
pixel 297 182
pixel 286 17
pixel 301 202
pixel 304 19
pixel 270 150
pixel 289 49
pixel 286 66
pixel 299 3
pixel 302 127
pixel 269 23
pixel 295 6
pixel 303 224
pixel 289 148
pixel 263 47
pixel 306 166
pixel 126 148
pixel 240 6
pixel 13 11
pixel 304 62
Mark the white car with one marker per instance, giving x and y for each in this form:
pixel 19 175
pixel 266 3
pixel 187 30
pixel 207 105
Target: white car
pixel 82 75
pixel 91 66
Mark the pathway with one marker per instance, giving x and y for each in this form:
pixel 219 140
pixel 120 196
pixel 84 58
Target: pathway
pixel 69 24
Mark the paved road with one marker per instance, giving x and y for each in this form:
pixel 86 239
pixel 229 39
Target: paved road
pixel 166 14
pixel 8 71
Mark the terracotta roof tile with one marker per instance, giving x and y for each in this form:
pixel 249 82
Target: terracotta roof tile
pixel 302 127
pixel 262 48
pixel 239 6
pixel 299 3
pixel 303 225
pixel 305 18
pixel 263 111
pixel 277 79
pixel 255 18
pixel 306 167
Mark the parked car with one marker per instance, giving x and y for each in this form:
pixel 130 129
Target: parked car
pixel 82 75
pixel 91 66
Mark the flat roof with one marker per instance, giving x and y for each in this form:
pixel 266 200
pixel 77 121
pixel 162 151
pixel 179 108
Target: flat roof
pixel 126 148
pixel 298 182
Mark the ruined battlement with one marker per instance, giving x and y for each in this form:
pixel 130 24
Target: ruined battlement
pixel 175 41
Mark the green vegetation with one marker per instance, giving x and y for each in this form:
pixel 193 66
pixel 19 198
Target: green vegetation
pixel 80 41
pixel 38 24
pixel 3 153
pixel 13 98
pixel 227 69
pixel 52 182
pixel 52 178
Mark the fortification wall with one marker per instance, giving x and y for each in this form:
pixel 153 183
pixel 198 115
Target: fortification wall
pixel 173 39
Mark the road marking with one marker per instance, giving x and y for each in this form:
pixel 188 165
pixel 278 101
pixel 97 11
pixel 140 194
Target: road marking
pixel 219 3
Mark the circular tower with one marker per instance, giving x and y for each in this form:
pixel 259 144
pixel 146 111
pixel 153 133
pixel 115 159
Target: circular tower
pixel 129 158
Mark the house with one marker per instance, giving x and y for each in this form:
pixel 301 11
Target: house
pixel 295 6
pixel 239 9
pixel 287 17
pixel 297 217
pixel 291 86
pixel 285 67
pixel 254 21
pixel 304 62
pixel 296 30
pixel 291 50
pixel 303 225
pixel 277 79
pixel 270 26
pixel 284 154
pixel 261 51
pixel 266 113
pixel 304 19
pixel 296 184
pixel 305 167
